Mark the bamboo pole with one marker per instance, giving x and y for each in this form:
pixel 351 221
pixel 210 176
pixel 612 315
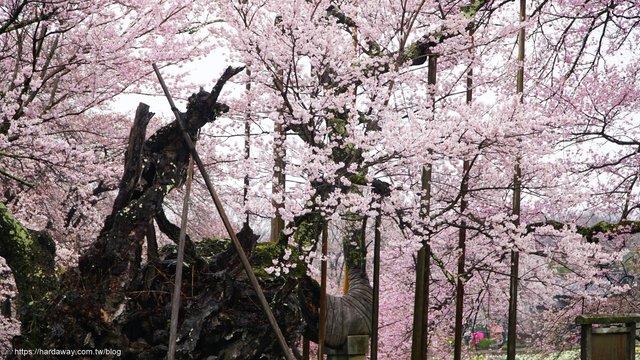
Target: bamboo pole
pixel 517 195
pixel 177 287
pixel 227 224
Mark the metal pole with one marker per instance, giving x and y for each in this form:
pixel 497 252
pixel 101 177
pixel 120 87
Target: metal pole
pixel 227 224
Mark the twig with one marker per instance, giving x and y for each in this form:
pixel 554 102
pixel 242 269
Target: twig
pixel 15 178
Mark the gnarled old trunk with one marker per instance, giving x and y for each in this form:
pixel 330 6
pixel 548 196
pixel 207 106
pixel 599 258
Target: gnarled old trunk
pixel 115 301
pixel 349 314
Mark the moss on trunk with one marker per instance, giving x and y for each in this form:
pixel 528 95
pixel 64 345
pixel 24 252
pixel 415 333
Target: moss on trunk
pixel 31 257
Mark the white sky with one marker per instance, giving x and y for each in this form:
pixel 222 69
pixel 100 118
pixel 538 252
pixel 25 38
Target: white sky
pixel 202 72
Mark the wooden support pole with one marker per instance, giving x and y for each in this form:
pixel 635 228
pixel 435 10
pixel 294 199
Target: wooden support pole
pixel 376 287
pixel 420 334
pixel 323 290
pixel 462 238
pixel 305 348
pixel 585 341
pixel 419 312
pixel 247 151
pixel 227 224
pixel 462 235
pixel 517 195
pixel 631 340
pixel 279 180
pixel 177 287
pixel 513 306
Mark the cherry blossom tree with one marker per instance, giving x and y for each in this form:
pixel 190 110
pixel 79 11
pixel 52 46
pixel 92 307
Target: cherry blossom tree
pixel 341 90
pixel 380 76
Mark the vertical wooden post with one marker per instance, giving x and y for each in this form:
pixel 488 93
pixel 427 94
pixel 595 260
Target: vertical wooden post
pixel 517 189
pixel 462 235
pixel 345 286
pixel 376 288
pixel 323 290
pixel 421 306
pixel 177 287
pixel 6 308
pixel 513 283
pixel 247 150
pixel 513 306
pixel 585 341
pixel 279 152
pixel 631 340
pixel 305 348
pixel 355 348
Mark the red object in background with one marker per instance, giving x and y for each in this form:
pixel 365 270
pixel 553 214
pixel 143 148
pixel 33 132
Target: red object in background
pixel 476 337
